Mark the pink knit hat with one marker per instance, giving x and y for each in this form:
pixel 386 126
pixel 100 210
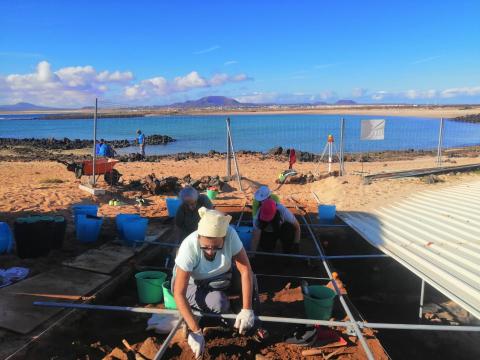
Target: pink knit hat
pixel 267 210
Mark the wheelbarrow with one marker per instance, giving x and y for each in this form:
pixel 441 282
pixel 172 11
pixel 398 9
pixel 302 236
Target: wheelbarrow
pixel 103 166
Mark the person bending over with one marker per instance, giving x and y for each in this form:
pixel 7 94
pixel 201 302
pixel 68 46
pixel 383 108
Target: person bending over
pixel 187 217
pixel 276 222
pixel 204 272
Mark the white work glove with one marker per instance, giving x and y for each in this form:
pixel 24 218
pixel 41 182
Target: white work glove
pixel 197 343
pixel 244 321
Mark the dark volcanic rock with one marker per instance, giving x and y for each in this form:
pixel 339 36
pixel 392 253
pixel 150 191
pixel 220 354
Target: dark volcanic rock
pixel 68 144
pixel 474 118
pixel 276 151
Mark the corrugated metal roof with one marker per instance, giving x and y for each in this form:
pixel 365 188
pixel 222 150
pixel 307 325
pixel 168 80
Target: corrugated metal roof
pixel 435 234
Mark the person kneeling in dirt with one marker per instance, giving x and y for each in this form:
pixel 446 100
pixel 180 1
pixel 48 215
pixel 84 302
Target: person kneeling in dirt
pixel 187 217
pixel 276 222
pixel 209 262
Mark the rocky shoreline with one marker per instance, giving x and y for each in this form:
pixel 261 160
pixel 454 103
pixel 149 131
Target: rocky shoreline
pixel 74 144
pixel 74 116
pixel 24 153
pixel 475 118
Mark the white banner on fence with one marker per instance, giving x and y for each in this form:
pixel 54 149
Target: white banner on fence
pixel 373 129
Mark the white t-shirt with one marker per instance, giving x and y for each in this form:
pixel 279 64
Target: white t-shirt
pixel 190 257
pixel 285 215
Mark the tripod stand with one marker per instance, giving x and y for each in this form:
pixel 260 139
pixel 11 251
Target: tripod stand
pixel 331 149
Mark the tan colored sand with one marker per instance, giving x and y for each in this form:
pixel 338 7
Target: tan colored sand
pixel 380 110
pixel 36 186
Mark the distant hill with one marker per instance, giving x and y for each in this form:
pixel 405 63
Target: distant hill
pixel 208 101
pixel 345 102
pixel 24 106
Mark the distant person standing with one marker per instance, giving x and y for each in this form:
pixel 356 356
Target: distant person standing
pixel 102 148
pixel 141 142
pixel 98 147
pixel 109 150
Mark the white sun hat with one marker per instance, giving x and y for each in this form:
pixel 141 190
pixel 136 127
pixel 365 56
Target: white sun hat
pixel 212 223
pixel 262 193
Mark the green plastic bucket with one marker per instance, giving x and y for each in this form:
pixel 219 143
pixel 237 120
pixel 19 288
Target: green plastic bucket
pixel 149 286
pixel 168 299
pixel 319 303
pixel 212 194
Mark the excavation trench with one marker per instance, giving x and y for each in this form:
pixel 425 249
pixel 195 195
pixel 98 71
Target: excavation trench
pixel 379 290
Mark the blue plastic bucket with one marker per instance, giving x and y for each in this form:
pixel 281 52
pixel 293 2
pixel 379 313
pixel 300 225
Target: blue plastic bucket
pixel 326 213
pixel 6 238
pixel 88 228
pixel 120 219
pixel 172 206
pixel 245 233
pixel 80 209
pixel 134 230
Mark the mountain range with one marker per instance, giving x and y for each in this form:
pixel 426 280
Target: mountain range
pixel 24 106
pixel 207 101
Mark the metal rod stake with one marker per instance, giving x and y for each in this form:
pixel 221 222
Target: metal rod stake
pixel 347 324
pixel 422 293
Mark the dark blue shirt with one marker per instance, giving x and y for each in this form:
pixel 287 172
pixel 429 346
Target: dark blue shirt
pixel 103 150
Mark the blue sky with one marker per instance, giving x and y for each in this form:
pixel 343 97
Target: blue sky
pixel 152 52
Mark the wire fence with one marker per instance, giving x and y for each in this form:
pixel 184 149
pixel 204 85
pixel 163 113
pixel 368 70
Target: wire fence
pixel 404 138
pixel 407 142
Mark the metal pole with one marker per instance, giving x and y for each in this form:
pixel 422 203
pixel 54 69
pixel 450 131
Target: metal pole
pixel 95 140
pixel 229 152
pixel 329 225
pixel 329 157
pixel 422 294
pixel 145 310
pixel 293 277
pixel 169 338
pixel 274 319
pixel 440 143
pixel 342 132
pixel 234 158
pixel 298 256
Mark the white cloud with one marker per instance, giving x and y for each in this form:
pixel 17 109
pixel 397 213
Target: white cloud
pixel 115 76
pixel 414 94
pixel 424 60
pixel 69 86
pixel 189 81
pixel 207 50
pixel 257 97
pixel 219 79
pixel 380 95
pixel 160 86
pixel 464 91
pixel 327 95
pixel 230 62
pixel 359 92
pixel 285 98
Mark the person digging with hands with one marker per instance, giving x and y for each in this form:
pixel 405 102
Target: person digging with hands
pixel 210 262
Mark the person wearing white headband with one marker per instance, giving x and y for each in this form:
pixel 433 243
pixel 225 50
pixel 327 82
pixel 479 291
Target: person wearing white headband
pixel 207 266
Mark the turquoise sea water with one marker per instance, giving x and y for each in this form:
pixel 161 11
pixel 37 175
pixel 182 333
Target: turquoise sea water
pixel 250 132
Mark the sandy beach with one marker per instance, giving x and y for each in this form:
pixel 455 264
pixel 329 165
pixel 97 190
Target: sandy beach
pixel 376 110
pixel 42 187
